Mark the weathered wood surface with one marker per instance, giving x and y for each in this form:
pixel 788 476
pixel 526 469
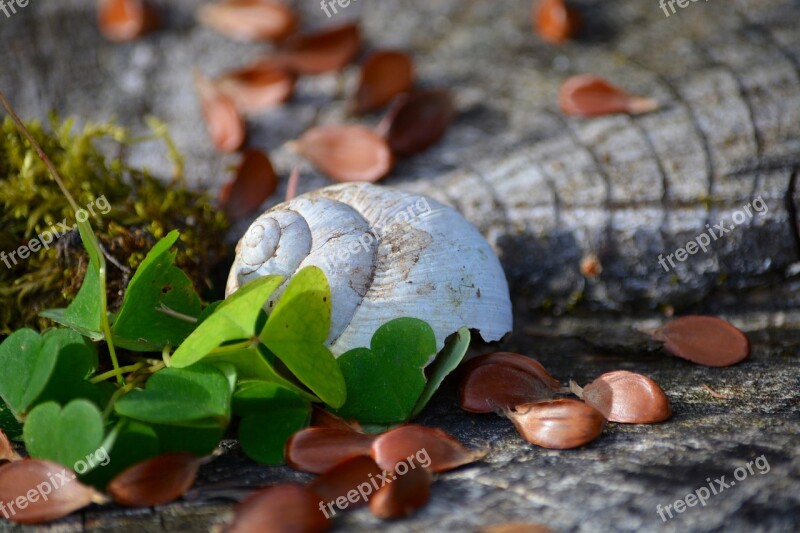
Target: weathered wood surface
pixel 547 190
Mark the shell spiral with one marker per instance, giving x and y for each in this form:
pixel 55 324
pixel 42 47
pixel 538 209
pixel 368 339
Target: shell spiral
pixel 386 254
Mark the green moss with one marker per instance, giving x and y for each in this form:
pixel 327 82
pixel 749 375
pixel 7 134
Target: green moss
pixel 142 210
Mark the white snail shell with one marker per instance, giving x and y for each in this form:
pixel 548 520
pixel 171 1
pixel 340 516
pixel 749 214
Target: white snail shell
pixel 386 254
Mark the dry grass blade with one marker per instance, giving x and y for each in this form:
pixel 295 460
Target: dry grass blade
pixel 404 495
pixel 441 451
pixel 325 51
pixel 225 125
pixel 384 75
pixel 417 121
pixel 280 509
pixel 254 181
pixel 317 450
pixel 590 96
pixel 36 491
pixel 258 86
pixel 249 20
pixel 157 481
pixel 125 20
pixel 347 152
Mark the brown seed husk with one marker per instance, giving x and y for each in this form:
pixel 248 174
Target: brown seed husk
pixel 353 475
pixel 347 152
pixel 521 362
pixel 416 121
pixel 157 481
pixel 225 125
pixel 558 424
pixel 442 450
pixel 495 387
pixel 627 397
pixel 319 449
pixel 280 509
pixel 249 20
pixel 590 96
pixel 259 86
pixel 255 181
pixel 125 20
pixel 555 21
pixel 516 527
pixel 324 51
pixel 404 495
pixel 384 75
pixel 31 481
pixel 705 340
pixel 323 418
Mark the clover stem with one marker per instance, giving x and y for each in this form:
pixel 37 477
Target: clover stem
pixel 117 372
pixel 166 356
pixel 121 392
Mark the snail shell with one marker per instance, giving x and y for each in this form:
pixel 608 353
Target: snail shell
pixel 386 254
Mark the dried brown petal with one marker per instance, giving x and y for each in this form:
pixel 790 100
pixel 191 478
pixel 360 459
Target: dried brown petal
pixel 627 397
pixel 423 445
pixel 518 361
pixel 405 494
pixel 495 387
pixel 7 451
pixel 249 20
pixel 347 152
pixel 324 51
pixel 589 96
pixel 558 424
pixel 318 450
pixel 323 418
pixel 254 182
pixel 555 21
pixel 384 75
pixel 36 491
pixel 417 121
pixel 280 509
pixel 225 125
pixel 258 86
pixel 705 340
pixel 354 476
pixel 125 20
pixel 516 527
pixel 156 481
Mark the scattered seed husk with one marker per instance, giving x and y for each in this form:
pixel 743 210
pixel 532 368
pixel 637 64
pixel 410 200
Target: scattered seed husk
pixel 705 340
pixel 225 125
pixel 254 181
pixel 347 152
pixel 558 424
pixel 156 481
pixel 323 418
pixel 403 496
pixel 384 75
pixel 125 20
pixel 443 450
pixel 319 449
pixel 7 451
pixel 626 397
pixel 346 477
pixel 18 479
pixel 496 387
pixel 416 121
pixel 280 509
pixel 520 362
pixel 516 527
pixel 249 20
pixel 324 51
pixel 259 86
pixel 591 267
pixel 555 21
pixel 590 96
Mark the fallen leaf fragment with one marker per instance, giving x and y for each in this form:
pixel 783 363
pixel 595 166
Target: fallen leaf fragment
pixel 347 152
pixel 705 340
pixel 586 95
pixel 225 125
pixel 280 509
pixel 249 20
pixel 254 181
pixel 558 424
pixel 36 491
pixel 416 121
pixel 555 21
pixel 319 449
pixel 423 445
pixel 320 52
pixel 404 495
pixel 495 387
pixel 156 481
pixel 627 397
pixel 354 476
pixel 384 75
pixel 259 86
pixel 125 20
